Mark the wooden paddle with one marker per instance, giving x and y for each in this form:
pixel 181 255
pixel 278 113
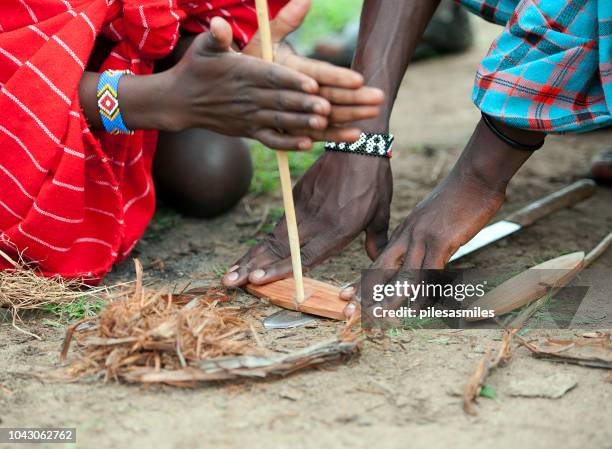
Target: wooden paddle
pixel 538 281
pixel 530 285
pixel 321 299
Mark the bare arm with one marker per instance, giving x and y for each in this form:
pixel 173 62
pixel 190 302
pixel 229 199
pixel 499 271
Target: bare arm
pixel 212 87
pixel 353 189
pixel 389 33
pixel 142 106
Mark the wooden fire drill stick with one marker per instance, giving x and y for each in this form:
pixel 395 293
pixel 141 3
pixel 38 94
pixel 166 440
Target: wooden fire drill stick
pixel 263 20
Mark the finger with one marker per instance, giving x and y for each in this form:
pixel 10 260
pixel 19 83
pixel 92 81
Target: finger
pixel 289 120
pixel 289 100
pixel 436 256
pixel 263 254
pixel 217 40
pixel 272 272
pixel 346 114
pixel 354 293
pixel 325 73
pixel 273 76
pixel 383 269
pixel 403 276
pixel 351 309
pixel 237 276
pixel 277 141
pixel 392 256
pixel 370 96
pixel 331 134
pixel 410 271
pixel 413 260
pixel 314 251
pixel 288 19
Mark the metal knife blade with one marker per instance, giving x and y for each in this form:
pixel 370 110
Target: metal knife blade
pixel 487 235
pixel 285 319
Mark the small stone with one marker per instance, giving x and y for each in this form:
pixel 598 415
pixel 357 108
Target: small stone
pixel 552 387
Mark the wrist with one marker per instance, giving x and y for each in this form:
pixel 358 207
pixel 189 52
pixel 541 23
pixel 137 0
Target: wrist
pixel 378 124
pixel 147 103
pixel 489 161
pixel 359 163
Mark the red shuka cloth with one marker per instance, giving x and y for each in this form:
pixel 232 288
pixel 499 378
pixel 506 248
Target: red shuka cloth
pixel 73 200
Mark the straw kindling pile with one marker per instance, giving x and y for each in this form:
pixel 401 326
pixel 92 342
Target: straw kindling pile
pixel 156 337
pixel 25 288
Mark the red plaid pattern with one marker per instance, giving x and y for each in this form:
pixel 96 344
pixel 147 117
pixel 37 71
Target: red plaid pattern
pixel 550 69
pixel 72 200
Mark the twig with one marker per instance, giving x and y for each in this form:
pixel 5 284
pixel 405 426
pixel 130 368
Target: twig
pixel 15 318
pixel 484 367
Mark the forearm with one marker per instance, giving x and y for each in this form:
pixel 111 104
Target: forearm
pixel 389 33
pixel 141 101
pixel 492 162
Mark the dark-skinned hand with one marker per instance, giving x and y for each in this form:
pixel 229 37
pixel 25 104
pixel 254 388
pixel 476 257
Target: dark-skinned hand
pixel 337 198
pixel 350 100
pixel 457 209
pixel 215 88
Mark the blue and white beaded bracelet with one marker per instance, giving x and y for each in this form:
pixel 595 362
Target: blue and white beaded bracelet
pixel 370 144
pixel 108 101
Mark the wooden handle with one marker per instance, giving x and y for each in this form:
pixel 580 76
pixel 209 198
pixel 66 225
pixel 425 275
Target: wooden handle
pixel 598 250
pixel 265 35
pixel 561 199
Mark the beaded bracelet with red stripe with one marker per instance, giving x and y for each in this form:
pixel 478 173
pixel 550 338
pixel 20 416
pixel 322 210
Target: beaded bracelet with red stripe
pixel 369 144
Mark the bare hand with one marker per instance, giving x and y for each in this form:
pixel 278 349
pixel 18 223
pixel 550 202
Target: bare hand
pixel 215 88
pixel 452 214
pixel 340 196
pixel 351 101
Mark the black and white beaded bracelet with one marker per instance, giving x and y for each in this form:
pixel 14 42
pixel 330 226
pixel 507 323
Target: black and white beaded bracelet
pixel 370 144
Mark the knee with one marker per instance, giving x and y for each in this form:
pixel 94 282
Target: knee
pixel 201 173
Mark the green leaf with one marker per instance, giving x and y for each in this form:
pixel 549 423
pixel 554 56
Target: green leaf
pixel 392 333
pixel 487 391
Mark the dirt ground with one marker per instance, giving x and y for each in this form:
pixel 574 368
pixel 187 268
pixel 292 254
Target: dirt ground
pixel 402 391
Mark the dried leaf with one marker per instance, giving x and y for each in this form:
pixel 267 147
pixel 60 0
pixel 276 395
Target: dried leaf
pixel 592 351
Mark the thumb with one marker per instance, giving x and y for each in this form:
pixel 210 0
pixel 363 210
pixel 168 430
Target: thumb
pixel 289 18
pixel 218 39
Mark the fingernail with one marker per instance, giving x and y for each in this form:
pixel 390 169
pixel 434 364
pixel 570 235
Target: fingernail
pixel 258 274
pixel 319 108
pixel 231 276
pixel 349 310
pixel 304 145
pixel 348 291
pixel 313 122
pixel 309 86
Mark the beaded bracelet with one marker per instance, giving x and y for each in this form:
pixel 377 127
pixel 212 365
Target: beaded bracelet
pixel 108 101
pixel 370 144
